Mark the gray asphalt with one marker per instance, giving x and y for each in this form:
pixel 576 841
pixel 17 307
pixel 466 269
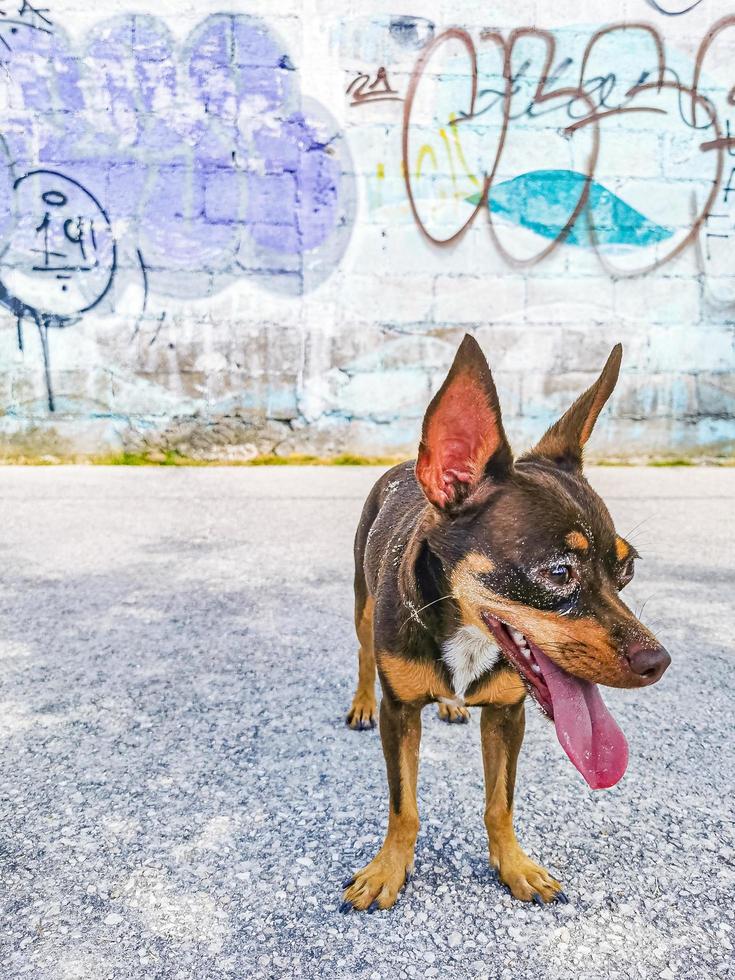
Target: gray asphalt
pixel 180 798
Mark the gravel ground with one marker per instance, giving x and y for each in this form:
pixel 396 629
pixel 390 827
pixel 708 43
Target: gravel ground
pixel 180 798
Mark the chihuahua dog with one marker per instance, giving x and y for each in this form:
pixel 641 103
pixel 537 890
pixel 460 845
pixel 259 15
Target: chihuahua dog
pixel 479 580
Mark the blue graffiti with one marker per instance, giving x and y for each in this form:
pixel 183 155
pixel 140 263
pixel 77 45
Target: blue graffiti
pixel 543 200
pixel 411 32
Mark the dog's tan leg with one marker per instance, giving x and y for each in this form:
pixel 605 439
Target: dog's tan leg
pixel 382 879
pixel 363 711
pixel 502 731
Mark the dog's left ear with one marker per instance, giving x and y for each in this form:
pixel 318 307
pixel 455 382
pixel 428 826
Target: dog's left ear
pixel 564 441
pixel 462 440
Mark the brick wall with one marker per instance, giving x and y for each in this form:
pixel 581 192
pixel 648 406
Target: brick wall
pixel 213 241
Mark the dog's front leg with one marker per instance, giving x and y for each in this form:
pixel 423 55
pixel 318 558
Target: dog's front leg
pixel 502 731
pixel 378 884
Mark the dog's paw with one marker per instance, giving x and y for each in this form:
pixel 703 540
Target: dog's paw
pixel 453 714
pixel 528 881
pixel 363 713
pixel 378 884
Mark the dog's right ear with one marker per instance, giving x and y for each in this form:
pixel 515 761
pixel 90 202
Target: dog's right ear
pixel 462 440
pixel 564 441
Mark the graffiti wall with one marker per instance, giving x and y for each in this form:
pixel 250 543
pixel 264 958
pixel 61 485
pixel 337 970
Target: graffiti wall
pixel 230 233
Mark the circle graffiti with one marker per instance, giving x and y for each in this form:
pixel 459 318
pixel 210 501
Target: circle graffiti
pixel 60 260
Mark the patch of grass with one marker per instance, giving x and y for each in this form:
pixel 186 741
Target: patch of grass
pixel 301 459
pixel 664 461
pixel 270 459
pixel 29 461
pixel 172 458
pixel 671 462
pixel 348 459
pixel 608 462
pixel 168 458
pixel 124 459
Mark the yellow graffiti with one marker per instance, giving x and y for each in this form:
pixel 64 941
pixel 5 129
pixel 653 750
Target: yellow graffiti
pixel 427 150
pixel 460 151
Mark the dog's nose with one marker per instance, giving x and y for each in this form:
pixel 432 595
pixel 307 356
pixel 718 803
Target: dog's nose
pixel 647 661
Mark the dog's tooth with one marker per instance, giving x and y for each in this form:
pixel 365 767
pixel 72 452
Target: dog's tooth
pixel 518 637
pixel 535 668
pixel 526 653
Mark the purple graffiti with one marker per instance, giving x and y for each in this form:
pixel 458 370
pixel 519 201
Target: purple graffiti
pixel 206 156
pixel 176 169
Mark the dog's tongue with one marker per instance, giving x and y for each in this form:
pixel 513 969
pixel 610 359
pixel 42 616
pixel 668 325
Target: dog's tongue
pixel 588 733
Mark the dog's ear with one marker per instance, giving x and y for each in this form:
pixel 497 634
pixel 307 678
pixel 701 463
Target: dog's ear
pixel 462 439
pixel 564 441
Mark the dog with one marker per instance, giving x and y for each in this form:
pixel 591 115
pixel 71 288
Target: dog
pixel 480 580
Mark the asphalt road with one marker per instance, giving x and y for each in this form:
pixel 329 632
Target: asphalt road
pixel 180 797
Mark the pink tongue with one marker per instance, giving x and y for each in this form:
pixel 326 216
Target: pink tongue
pixel 588 733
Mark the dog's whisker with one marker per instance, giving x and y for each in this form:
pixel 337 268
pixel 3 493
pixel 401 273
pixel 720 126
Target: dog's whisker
pixel 639 525
pixel 433 601
pixel 644 604
pixel 415 612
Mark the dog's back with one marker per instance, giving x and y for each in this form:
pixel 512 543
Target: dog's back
pixel 391 509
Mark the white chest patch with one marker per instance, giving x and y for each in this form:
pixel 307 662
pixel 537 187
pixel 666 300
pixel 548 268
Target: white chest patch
pixel 468 654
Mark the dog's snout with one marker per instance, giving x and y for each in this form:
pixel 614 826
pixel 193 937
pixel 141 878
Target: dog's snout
pixel 647 661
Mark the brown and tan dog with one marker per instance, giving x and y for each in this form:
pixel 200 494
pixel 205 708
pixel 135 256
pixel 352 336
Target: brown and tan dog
pixel 479 580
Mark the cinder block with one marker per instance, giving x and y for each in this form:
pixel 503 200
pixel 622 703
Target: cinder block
pixel 645 396
pixel 477 299
pixel 225 196
pixel 716 394
pixel 638 158
pixel 568 300
pixel 659 299
pixel 392 299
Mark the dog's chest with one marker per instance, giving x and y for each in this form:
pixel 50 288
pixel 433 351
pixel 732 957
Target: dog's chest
pixel 468 654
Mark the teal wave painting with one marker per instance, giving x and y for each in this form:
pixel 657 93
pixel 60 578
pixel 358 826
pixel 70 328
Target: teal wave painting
pixel 542 201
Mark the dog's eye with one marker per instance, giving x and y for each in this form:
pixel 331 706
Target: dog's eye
pixel 559 574
pixel 625 573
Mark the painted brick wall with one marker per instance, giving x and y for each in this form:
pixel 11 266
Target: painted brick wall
pixel 235 230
